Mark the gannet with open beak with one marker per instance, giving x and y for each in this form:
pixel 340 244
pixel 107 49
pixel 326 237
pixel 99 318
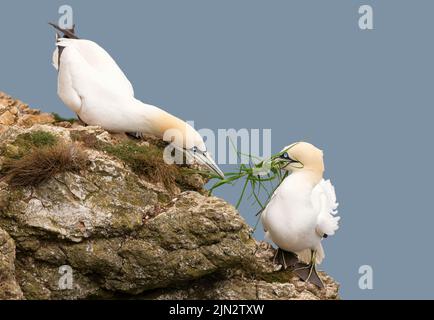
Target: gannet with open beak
pixel 302 210
pixel 92 85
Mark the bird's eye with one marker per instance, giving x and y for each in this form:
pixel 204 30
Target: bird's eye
pixel 286 156
pixel 194 149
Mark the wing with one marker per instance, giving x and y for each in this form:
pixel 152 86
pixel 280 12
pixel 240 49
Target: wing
pixel 88 74
pixel 265 211
pixel 324 202
pixel 99 60
pixel 264 218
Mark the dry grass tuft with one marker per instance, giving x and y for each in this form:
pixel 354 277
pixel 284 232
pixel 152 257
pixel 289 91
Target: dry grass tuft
pixel 145 159
pixel 42 163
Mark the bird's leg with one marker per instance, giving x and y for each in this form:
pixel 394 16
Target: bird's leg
pixel 285 258
pixel 275 256
pixel 135 135
pixel 303 266
pixel 312 274
pixel 312 266
pixel 79 119
pixel 280 253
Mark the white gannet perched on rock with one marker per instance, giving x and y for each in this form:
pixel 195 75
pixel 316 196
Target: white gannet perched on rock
pixel 92 85
pixel 302 210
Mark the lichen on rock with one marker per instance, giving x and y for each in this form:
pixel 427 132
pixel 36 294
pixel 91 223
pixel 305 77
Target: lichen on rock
pixel 9 288
pixel 123 233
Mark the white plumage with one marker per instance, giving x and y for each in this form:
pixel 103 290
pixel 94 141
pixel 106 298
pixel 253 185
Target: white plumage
pixel 324 201
pixel 302 209
pixel 92 85
pixel 98 59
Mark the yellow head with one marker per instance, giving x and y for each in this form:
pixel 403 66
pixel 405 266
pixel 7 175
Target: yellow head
pixel 302 156
pixel 184 137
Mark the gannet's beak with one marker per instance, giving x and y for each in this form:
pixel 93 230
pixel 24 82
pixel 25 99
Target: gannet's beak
pixel 280 161
pixel 283 160
pixel 205 159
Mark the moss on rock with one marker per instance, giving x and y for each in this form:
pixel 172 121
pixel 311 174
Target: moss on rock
pixel 122 229
pixel 26 142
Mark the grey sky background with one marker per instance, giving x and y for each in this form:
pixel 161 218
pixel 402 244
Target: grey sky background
pixel 302 68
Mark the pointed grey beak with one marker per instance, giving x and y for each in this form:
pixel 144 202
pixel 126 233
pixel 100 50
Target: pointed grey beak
pixel 205 159
pixel 284 160
pixel 282 163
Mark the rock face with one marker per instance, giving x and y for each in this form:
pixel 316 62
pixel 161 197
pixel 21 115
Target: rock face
pixel 9 288
pixel 14 111
pixel 108 231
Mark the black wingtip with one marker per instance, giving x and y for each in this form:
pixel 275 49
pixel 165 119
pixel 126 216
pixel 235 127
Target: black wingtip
pixel 68 33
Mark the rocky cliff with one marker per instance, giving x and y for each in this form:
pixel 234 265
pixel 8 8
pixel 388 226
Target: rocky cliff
pixel 87 214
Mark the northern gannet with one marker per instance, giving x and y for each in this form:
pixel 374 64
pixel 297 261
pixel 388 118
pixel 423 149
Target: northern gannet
pixel 92 85
pixel 301 212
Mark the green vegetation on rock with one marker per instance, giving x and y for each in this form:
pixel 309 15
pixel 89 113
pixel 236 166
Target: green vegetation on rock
pixel 25 142
pixel 59 118
pixel 101 211
pixel 36 139
pixel 147 161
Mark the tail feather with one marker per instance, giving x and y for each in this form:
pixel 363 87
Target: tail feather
pixel 320 255
pixel 305 256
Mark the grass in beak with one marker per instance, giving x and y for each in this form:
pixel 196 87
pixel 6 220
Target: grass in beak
pixel 259 180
